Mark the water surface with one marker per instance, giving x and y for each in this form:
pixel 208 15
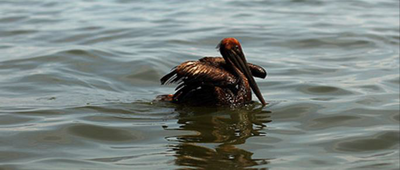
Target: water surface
pixel 78 79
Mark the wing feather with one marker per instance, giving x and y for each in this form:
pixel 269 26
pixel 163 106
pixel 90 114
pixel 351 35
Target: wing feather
pixel 208 70
pixel 199 72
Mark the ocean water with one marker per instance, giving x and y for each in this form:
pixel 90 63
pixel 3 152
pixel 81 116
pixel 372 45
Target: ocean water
pixel 78 79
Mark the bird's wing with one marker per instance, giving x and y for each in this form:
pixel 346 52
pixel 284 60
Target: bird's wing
pixel 257 71
pixel 199 73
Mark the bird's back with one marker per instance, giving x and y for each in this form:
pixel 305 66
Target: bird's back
pixel 209 82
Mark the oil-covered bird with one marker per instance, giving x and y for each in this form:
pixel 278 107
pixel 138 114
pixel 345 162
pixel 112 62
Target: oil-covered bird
pixel 215 81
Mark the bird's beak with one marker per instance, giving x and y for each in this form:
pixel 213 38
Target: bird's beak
pixel 238 59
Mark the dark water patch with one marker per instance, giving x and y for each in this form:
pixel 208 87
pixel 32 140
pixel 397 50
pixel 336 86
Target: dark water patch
pixel 12 33
pixel 101 109
pixel 325 42
pixel 311 72
pixel 41 137
pixel 369 101
pixel 88 54
pixel 396 117
pixel 15 156
pixel 295 111
pixel 44 20
pixel 126 113
pixel 53 138
pixel 395 80
pixel 101 133
pixel 324 90
pixel 287 132
pixel 323 98
pixel 41 112
pixel 276 84
pixel 108 36
pixel 339 58
pixel 122 119
pixel 114 159
pixel 12 19
pixel 72 57
pixel 14 120
pixel 333 122
pixel 8 167
pixel 371 88
pixel 380 141
pixel 79 37
pixel 63 163
pixel 145 74
pixel 128 158
pixel 377 100
pixel 371 112
pixel 387 165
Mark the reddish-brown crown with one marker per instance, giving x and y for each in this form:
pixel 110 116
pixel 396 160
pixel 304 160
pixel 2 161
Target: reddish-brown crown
pixel 229 43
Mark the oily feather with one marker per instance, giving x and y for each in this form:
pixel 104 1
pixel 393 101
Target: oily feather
pixel 199 73
pixel 208 69
pixel 256 70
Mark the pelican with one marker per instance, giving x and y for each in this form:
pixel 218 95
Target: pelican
pixel 216 81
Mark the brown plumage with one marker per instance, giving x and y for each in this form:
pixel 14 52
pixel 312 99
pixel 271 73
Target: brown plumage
pixel 215 81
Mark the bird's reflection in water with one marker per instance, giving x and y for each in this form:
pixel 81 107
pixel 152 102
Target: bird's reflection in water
pixel 213 145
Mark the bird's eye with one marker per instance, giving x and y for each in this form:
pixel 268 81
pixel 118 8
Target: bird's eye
pixel 236 47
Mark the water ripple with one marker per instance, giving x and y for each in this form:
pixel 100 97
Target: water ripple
pixel 78 80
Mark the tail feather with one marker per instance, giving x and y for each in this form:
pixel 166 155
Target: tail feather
pixel 166 78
